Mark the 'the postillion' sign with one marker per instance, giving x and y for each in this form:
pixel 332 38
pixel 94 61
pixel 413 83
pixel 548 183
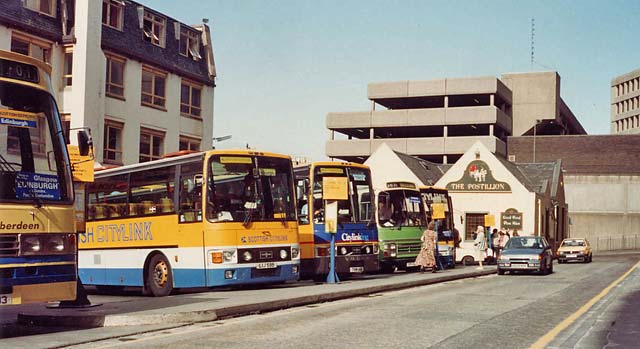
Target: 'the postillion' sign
pixel 477 177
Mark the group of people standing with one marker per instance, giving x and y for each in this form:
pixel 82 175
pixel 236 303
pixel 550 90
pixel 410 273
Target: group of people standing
pixel 489 246
pixel 485 246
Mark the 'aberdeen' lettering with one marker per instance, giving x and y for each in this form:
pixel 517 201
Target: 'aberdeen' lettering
pixel 19 226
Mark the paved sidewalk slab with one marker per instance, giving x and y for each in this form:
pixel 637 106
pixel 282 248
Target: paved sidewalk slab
pixel 214 305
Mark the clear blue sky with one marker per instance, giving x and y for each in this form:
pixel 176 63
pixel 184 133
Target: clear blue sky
pixel 283 65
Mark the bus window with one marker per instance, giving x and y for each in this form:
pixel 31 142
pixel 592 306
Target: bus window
pixel 361 196
pixel 152 191
pixel 107 197
pixel 303 200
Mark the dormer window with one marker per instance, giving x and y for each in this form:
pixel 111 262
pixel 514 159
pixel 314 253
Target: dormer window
pixel 46 7
pixel 190 43
pixel 112 11
pixel 153 29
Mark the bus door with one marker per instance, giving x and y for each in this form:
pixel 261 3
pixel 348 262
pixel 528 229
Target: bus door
pixel 191 232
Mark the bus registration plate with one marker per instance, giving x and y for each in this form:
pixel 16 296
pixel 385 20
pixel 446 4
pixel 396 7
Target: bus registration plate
pixel 411 264
pixel 356 269
pixel 5 299
pixel 266 265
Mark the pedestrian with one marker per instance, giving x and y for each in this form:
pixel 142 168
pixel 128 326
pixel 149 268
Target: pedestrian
pixel 481 246
pixel 427 258
pixel 502 240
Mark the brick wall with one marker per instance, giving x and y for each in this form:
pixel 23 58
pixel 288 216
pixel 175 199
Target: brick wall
pixel 582 154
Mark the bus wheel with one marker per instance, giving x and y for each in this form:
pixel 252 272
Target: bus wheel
pixel 159 277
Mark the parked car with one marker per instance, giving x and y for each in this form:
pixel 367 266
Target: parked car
pixel 467 254
pixel 526 253
pixel 575 250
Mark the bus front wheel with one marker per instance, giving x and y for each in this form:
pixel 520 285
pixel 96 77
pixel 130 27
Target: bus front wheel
pixel 159 278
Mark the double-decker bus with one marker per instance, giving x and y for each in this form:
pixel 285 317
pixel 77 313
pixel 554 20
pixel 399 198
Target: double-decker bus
pixel 213 218
pixel 38 260
pixel 356 239
pixel 401 221
pixel 446 237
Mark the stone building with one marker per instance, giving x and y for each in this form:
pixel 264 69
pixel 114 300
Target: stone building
pixel 438 120
pixel 142 81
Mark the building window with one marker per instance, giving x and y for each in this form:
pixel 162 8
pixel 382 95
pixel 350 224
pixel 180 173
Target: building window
pixel 36 134
pixel 115 77
pixel 188 143
pixel 46 7
pixel 151 145
pixel 153 87
pixel 112 13
pixel 67 74
pixel 472 221
pixel 153 28
pixel 112 142
pixel 189 43
pixel 190 104
pixel 31 47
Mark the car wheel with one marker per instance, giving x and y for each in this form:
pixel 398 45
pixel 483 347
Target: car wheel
pixel 550 270
pixel 500 271
pixel 468 260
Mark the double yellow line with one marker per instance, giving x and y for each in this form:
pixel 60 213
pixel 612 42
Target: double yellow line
pixel 547 338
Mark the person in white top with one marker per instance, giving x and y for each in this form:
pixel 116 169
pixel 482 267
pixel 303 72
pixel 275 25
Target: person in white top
pixel 481 245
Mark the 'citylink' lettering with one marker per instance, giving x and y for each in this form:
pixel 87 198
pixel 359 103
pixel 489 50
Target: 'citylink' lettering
pixel 118 233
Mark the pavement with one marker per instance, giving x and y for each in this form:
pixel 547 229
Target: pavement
pixel 201 305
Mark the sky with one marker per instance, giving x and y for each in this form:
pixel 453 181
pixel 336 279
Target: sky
pixel 284 65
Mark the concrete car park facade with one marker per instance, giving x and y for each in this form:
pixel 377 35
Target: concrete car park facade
pixel 438 120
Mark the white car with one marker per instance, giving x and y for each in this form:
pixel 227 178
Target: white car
pixel 467 254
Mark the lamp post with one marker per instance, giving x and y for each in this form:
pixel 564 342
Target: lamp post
pixel 219 139
pixel 535 127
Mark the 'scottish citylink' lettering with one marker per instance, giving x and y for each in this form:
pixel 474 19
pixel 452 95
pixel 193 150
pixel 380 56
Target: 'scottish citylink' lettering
pixel 117 233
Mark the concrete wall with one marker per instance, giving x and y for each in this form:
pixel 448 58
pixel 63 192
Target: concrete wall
pixel 610 221
pixel 535 96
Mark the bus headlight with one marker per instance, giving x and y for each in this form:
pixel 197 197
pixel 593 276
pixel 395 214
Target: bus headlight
pixel 284 254
pixel 247 256
pixel 343 250
pixel 367 250
pixel 44 244
pixel 30 245
pixel 229 255
pixel 56 244
pixel 295 252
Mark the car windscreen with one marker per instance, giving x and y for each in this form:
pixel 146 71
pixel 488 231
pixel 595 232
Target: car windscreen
pixel 524 243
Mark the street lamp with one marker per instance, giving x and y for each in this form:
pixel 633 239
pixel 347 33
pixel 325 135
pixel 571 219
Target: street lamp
pixel 535 127
pixel 219 139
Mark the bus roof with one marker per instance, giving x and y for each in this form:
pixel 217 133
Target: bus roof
pixel 333 163
pixel 174 160
pixel 43 84
pixel 432 188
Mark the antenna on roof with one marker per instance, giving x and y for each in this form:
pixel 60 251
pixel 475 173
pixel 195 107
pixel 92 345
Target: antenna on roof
pixel 533 33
